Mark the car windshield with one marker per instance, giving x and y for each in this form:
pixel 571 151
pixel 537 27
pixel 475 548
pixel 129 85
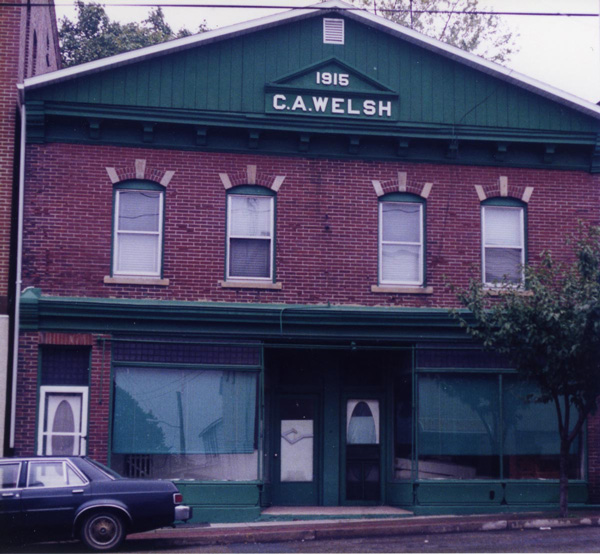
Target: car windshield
pixel 110 473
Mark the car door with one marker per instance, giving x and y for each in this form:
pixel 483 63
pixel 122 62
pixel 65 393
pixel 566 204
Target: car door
pixel 10 496
pixel 53 492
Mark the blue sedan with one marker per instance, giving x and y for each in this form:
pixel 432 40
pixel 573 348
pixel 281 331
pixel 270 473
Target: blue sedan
pixel 76 497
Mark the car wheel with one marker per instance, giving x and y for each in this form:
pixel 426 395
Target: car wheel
pixel 102 531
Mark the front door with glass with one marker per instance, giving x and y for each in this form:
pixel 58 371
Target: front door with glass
pixel 363 451
pixel 295 474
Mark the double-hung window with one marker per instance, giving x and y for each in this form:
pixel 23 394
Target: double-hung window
pixel 401 248
pixel 138 229
pixel 503 236
pixel 250 233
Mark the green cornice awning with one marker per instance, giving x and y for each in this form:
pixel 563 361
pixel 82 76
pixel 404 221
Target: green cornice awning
pixel 267 321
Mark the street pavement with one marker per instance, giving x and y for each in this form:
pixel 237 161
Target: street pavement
pixel 316 530
pixel 522 532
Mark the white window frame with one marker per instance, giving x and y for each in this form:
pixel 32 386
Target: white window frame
pixel 43 432
pixel 484 245
pixel 381 242
pixel 118 233
pixel 230 236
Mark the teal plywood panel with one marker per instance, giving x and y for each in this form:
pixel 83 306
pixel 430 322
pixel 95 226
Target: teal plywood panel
pixel 188 88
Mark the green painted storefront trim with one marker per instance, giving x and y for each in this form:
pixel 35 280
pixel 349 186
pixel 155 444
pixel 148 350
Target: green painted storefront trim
pixel 270 321
pixel 240 501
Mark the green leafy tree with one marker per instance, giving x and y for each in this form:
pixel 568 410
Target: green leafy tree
pixel 481 34
pixel 551 332
pixel 93 35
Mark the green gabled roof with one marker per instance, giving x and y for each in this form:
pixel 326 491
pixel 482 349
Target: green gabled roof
pixel 250 76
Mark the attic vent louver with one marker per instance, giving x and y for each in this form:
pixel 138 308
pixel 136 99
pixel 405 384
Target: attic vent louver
pixel 333 31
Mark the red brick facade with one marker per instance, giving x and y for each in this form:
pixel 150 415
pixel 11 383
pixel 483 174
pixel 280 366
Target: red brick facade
pixel 326 229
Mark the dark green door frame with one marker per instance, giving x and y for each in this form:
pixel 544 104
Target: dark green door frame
pixel 290 437
pixel 369 453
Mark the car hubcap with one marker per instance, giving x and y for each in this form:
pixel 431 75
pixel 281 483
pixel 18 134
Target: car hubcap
pixel 103 530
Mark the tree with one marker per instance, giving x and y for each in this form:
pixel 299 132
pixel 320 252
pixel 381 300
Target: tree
pixel 550 330
pixel 482 34
pixel 93 35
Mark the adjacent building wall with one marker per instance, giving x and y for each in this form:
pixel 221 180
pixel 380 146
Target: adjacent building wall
pixel 29 46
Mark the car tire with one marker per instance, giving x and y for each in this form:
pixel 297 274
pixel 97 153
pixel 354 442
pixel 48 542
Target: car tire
pixel 102 531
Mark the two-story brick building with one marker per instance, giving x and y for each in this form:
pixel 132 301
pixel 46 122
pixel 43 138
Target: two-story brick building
pixel 28 46
pixel 237 248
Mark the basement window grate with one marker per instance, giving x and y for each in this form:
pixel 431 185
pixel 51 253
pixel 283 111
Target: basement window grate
pixel 333 31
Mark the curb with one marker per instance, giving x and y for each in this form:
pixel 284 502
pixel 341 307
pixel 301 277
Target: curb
pixel 313 531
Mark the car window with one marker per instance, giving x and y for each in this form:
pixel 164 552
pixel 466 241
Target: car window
pixel 110 473
pixel 52 474
pixel 9 475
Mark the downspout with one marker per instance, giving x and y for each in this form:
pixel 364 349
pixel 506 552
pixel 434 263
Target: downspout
pixel 21 192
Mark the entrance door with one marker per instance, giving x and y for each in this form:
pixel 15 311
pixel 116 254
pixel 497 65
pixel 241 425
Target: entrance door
pixel 295 475
pixel 363 451
pixel 63 421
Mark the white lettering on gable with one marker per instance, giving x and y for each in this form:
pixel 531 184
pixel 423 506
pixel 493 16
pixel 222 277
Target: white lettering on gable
pixel 276 99
pixel 299 104
pixel 320 103
pixel 334 106
pixel 369 107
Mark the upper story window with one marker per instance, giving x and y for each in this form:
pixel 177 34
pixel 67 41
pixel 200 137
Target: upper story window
pixel 503 240
pixel 401 248
pixel 138 229
pixel 250 233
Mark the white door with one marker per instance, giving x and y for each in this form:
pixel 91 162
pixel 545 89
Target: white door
pixel 63 422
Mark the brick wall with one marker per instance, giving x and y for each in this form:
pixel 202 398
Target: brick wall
pixel 10 25
pixel 327 219
pixel 26 410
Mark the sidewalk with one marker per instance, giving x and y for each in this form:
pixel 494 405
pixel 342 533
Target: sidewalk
pixel 319 529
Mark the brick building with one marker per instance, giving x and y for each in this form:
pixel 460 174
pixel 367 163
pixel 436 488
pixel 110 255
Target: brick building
pixel 236 253
pixel 29 46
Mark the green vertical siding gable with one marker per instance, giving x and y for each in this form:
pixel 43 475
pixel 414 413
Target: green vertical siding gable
pixel 230 75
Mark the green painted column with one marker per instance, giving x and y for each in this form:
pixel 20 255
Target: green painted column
pixel 331 438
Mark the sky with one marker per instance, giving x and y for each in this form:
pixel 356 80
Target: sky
pixel 560 51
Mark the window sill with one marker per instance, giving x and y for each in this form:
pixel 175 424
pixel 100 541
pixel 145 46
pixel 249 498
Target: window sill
pixel 123 280
pixel 250 285
pixel 399 289
pixel 491 291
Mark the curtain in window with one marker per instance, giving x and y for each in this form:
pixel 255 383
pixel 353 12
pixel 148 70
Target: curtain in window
pixel 167 411
pixel 138 232
pixel 250 236
pixel 503 243
pixel 401 242
pixel 250 258
pixel 250 216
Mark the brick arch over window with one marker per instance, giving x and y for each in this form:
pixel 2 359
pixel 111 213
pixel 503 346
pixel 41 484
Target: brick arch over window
pixel 251 176
pixel 140 170
pixel 502 189
pixel 402 184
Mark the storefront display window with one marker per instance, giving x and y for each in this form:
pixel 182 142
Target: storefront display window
pixel 458 427
pixel 185 423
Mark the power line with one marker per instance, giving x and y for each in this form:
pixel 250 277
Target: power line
pixel 324 8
